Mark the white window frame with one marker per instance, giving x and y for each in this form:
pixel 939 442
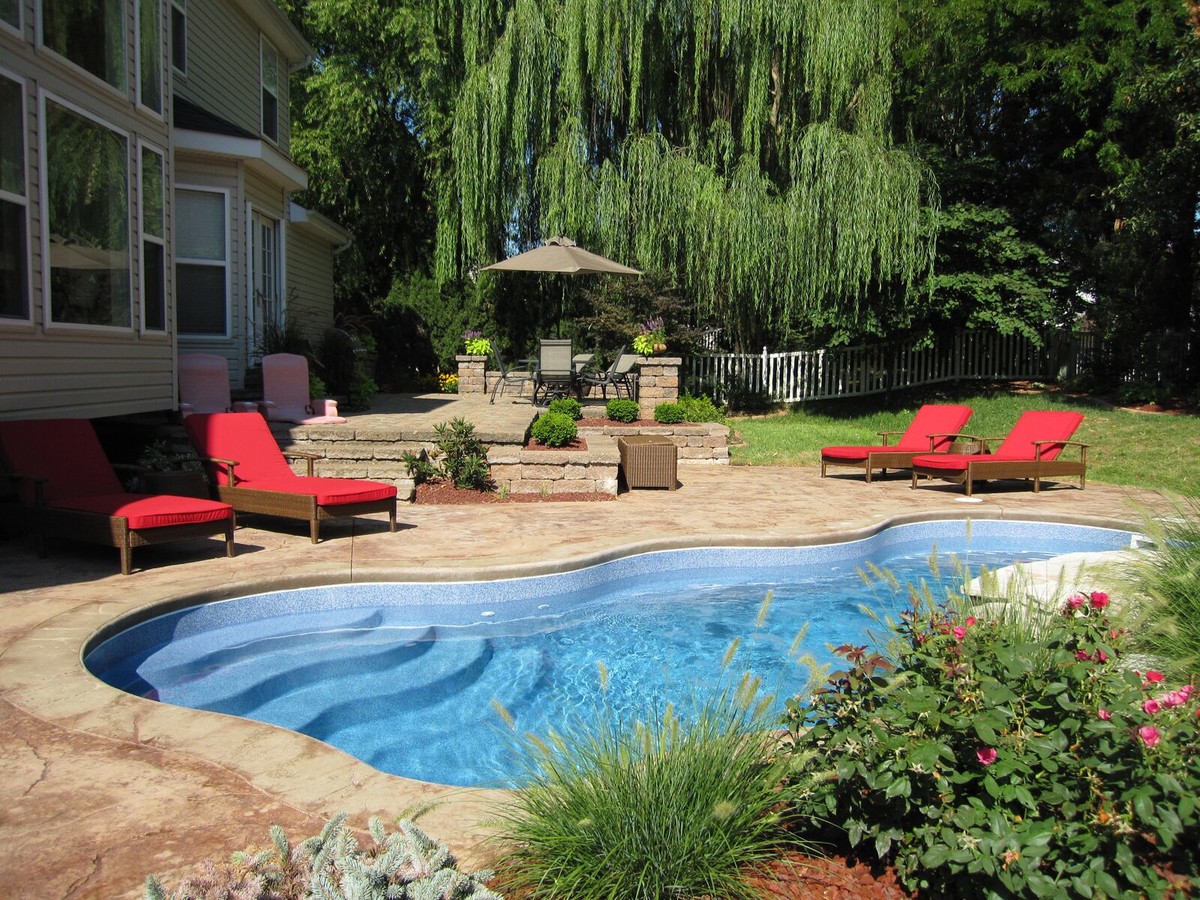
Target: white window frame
pixel 76 67
pixel 137 74
pixel 17 30
pixel 23 202
pixel 181 6
pixel 256 318
pixel 263 45
pixel 227 263
pixel 144 238
pixel 48 322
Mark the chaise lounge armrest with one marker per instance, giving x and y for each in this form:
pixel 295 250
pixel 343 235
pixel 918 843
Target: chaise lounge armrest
pixel 1038 445
pixel 953 436
pixel 39 483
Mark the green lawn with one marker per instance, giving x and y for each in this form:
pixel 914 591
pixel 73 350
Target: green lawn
pixel 1138 449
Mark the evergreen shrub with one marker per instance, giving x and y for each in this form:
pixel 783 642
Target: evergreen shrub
pixel 669 413
pixel 622 410
pixel 554 429
pixel 568 406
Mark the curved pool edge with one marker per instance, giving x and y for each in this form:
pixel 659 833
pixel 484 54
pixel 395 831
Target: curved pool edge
pixel 42 676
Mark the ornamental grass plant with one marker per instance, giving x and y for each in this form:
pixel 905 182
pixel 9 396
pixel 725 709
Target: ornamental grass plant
pixel 672 805
pixel 1022 757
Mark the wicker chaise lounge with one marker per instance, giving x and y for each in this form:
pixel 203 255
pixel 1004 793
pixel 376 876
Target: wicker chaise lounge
pixel 931 431
pixel 251 473
pixel 67 487
pixel 1030 451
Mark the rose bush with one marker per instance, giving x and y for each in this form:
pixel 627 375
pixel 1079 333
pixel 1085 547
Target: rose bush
pixel 1031 762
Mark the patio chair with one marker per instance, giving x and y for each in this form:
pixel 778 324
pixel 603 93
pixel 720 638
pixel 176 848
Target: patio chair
pixel 68 487
pixel 617 376
pixel 252 474
pixel 508 377
pixel 285 393
pixel 555 375
pixel 932 430
pixel 204 385
pixel 1030 451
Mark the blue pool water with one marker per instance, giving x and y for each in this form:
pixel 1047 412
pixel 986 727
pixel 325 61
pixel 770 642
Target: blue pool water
pixel 405 675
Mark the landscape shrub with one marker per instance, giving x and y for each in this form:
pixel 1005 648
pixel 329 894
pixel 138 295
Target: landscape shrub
pixel 699 409
pixel 334 866
pixel 554 429
pixel 669 413
pixel 568 406
pixel 620 410
pixel 665 805
pixel 1032 762
pixel 459 456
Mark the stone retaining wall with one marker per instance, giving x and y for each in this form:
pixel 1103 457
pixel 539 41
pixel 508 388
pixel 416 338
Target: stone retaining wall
pixel 701 443
pixel 522 471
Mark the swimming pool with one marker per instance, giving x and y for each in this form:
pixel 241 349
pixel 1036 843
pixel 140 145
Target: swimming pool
pixel 405 675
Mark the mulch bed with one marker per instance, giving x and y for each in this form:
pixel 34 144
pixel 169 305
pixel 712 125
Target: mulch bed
pixel 799 877
pixel 575 444
pixel 604 423
pixel 445 493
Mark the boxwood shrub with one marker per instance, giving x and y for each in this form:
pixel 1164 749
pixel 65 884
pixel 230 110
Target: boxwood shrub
pixel 622 410
pixel 568 406
pixel 669 413
pixel 554 429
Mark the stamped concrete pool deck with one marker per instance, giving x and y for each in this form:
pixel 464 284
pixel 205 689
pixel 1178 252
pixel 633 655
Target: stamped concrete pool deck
pixel 100 788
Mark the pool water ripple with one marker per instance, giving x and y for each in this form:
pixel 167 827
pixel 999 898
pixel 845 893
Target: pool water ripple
pixel 406 676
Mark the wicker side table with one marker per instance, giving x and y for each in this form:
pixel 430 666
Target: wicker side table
pixel 648 460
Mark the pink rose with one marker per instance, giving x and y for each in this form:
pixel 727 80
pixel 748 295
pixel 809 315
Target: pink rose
pixel 1082 655
pixel 1153 677
pixel 986 756
pixel 1150 707
pixel 1104 715
pixel 1150 735
pixel 1173 698
pixel 1101 656
pixel 1076 601
pixel 959 632
pixel 970 621
pixel 1186 690
pixel 1099 599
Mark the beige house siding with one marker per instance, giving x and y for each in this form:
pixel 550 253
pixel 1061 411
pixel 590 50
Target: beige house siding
pixel 49 369
pixel 310 282
pixel 224 74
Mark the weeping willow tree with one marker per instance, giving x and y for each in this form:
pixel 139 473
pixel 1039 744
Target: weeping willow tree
pixel 742 144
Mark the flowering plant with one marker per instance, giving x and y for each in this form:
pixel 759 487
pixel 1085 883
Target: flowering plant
pixel 448 382
pixel 476 343
pixel 651 337
pixel 1033 760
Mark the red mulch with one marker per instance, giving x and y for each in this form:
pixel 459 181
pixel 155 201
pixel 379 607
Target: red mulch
pixel 575 444
pixel 447 494
pixel 800 877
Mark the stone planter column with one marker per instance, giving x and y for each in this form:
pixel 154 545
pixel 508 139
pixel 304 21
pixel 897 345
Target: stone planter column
pixel 471 379
pixel 658 382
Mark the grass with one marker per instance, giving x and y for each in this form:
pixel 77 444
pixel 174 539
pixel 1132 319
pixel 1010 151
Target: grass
pixel 1124 448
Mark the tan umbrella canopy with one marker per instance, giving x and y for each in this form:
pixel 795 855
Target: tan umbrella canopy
pixel 564 256
pixel 561 255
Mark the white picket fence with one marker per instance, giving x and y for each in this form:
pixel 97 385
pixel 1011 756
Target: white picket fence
pixel 858 371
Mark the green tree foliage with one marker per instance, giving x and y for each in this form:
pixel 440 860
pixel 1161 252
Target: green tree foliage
pixel 1078 126
pixel 354 129
pixel 744 145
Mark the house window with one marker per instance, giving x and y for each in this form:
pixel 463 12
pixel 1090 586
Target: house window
pixel 150 55
pixel 87 219
pixel 14 247
pixel 267 309
pixel 10 13
pixel 153 234
pixel 270 91
pixel 202 262
pixel 91 35
pixel 179 36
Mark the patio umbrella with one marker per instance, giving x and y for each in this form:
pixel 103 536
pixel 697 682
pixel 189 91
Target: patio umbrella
pixel 563 256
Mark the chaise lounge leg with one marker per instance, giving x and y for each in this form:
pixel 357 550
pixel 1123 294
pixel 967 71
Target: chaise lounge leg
pixel 230 550
pixel 392 520
pixel 314 529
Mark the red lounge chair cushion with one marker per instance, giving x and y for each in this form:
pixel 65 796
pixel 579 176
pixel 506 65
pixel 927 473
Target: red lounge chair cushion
pixel 932 418
pixel 143 511
pixel 65 451
pixel 243 438
pixel 328 491
pixel 1039 425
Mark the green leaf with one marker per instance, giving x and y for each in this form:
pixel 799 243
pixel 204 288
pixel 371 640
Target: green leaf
pixel 900 787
